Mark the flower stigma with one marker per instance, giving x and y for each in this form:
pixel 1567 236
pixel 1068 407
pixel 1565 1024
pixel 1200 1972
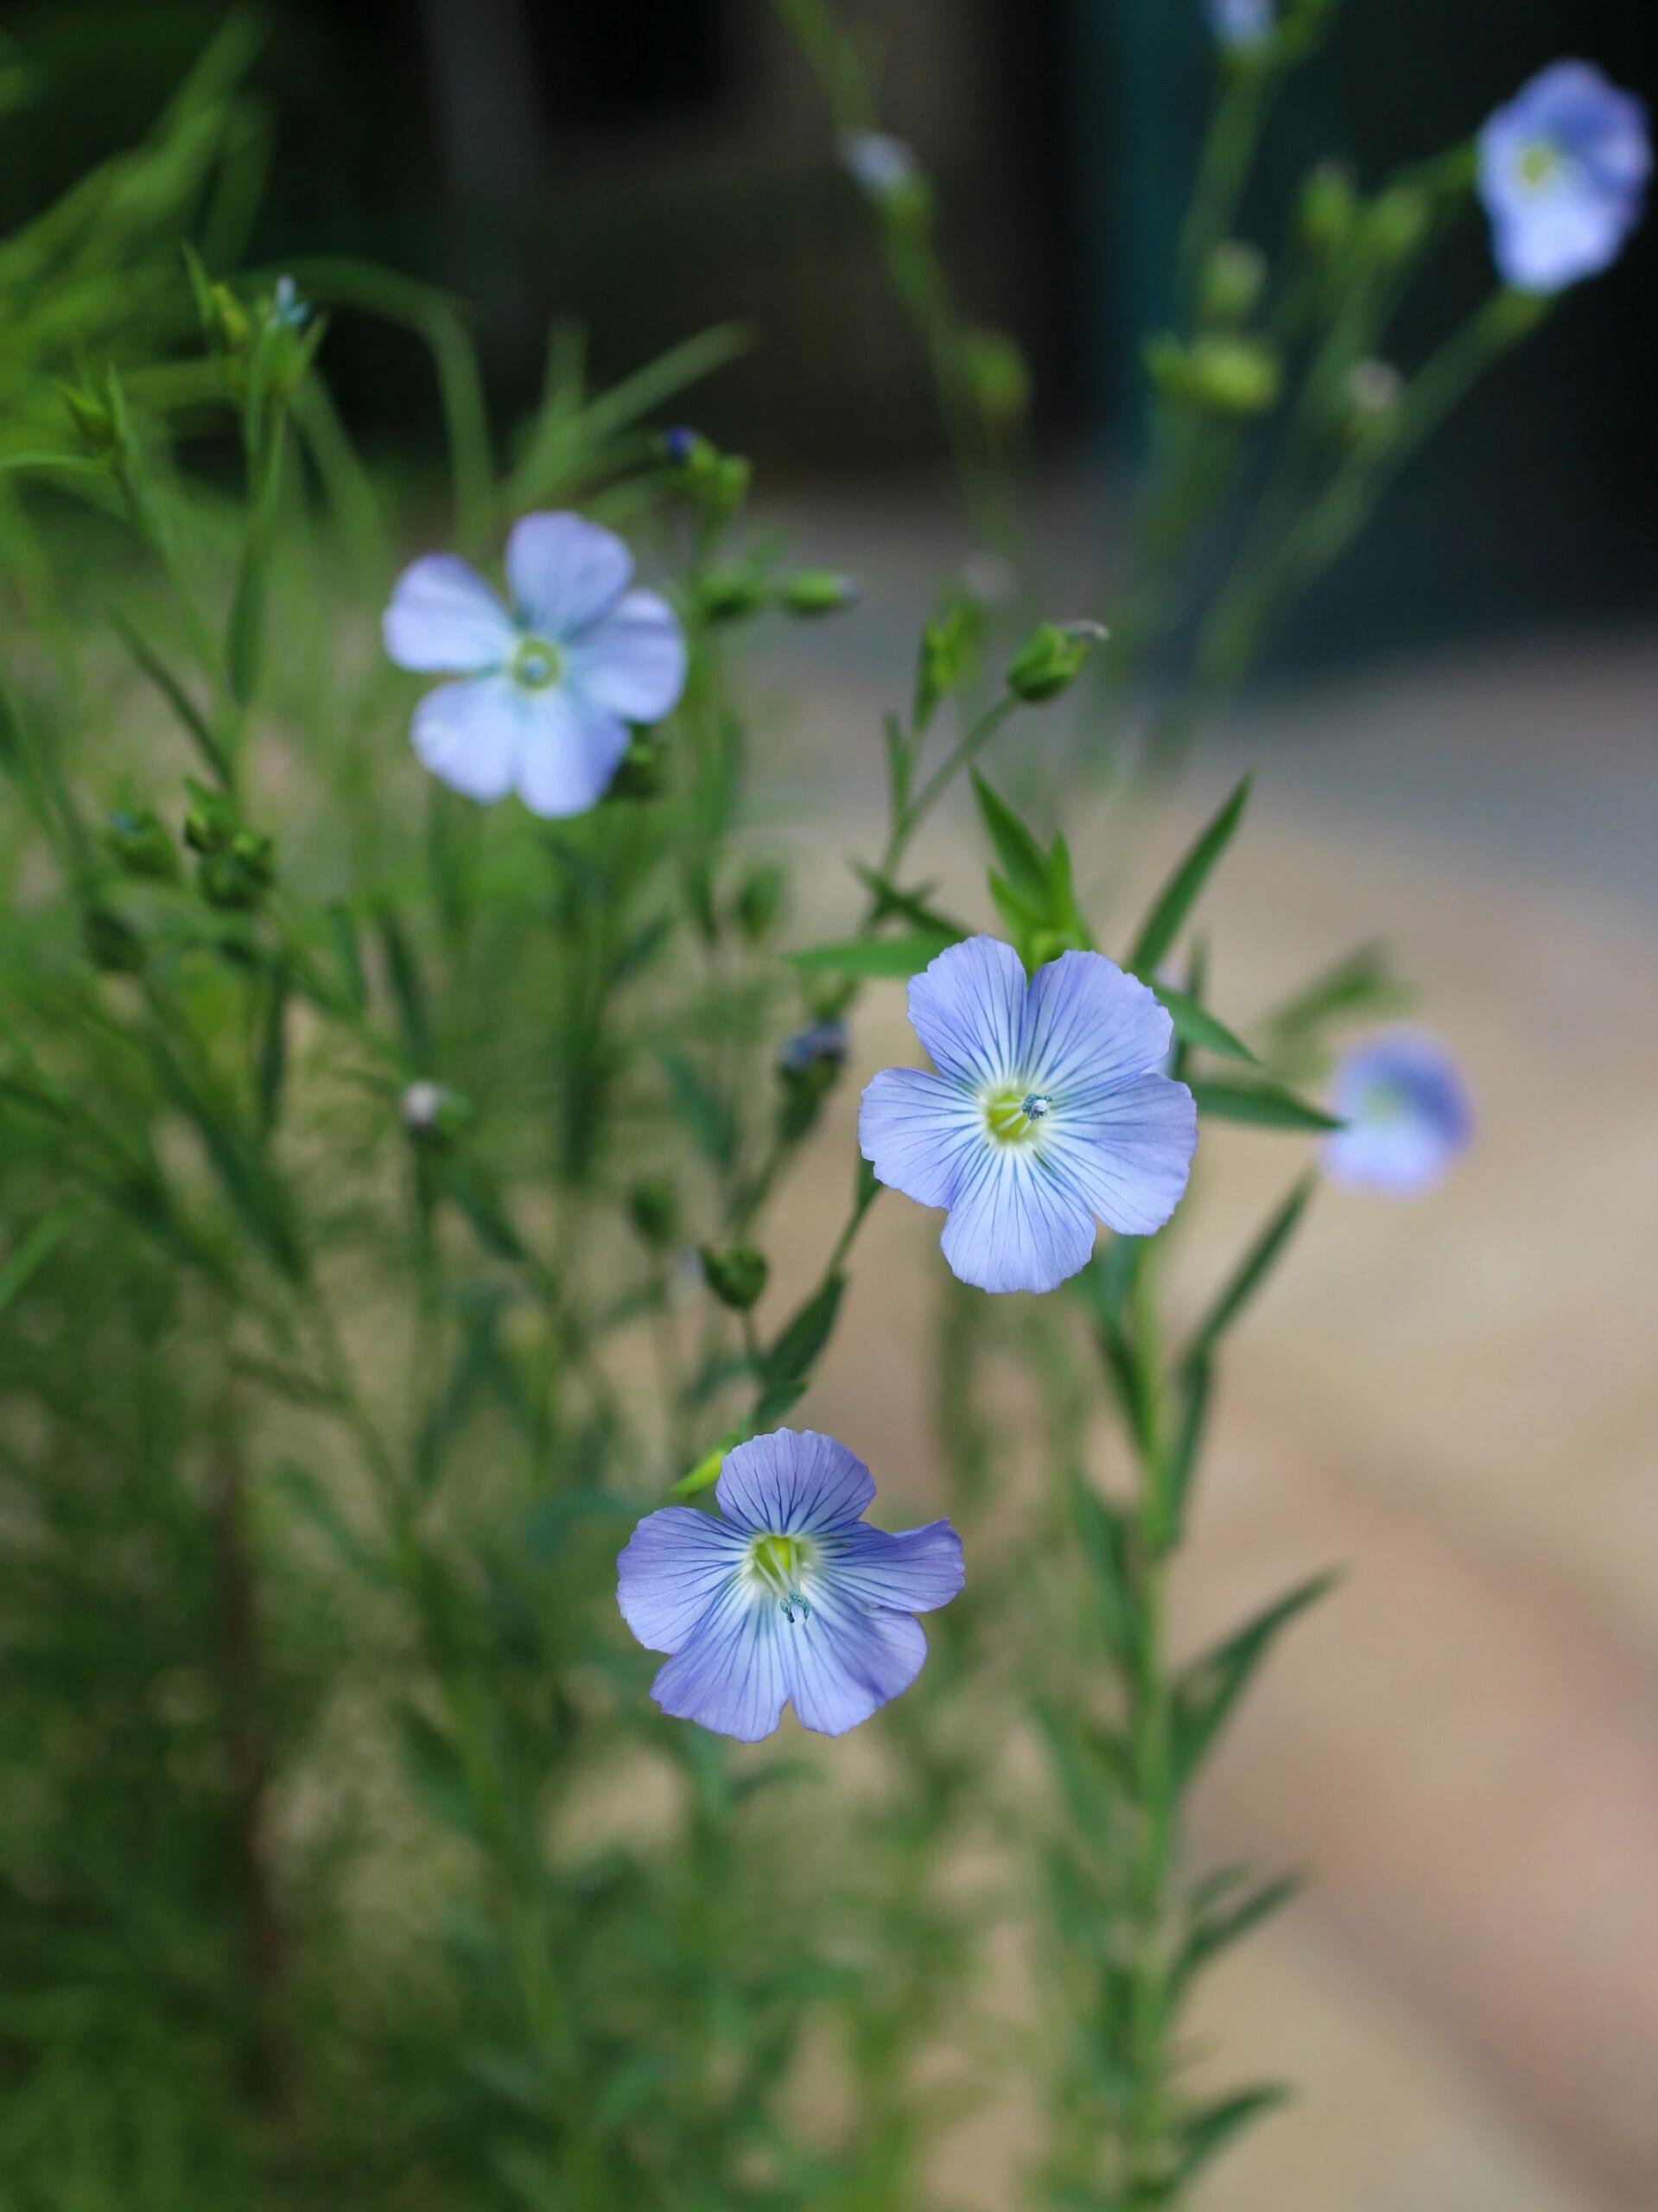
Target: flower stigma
pixel 777 1561
pixel 1011 1115
pixel 536 665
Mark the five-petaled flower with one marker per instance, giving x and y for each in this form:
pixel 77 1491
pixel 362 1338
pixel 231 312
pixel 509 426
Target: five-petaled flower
pixel 1563 169
pixel 1408 1116
pixel 551 685
pixel 787 1596
pixel 1049 1113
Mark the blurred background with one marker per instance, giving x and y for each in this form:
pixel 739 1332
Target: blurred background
pixel 1457 743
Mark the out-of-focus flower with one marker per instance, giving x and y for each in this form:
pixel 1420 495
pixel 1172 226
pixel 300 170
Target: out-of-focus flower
pixel 824 1044
pixel 878 163
pixel 788 1597
pixel 1049 1113
pixel 1241 24
pixel 552 684
pixel 1408 1116
pixel 286 308
pixel 1563 171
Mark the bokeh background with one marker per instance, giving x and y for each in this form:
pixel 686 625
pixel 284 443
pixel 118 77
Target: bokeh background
pixel 1458 747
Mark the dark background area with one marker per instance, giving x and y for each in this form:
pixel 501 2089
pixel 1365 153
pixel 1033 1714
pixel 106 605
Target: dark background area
pixel 647 168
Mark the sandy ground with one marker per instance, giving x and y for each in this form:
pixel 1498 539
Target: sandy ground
pixel 1459 1399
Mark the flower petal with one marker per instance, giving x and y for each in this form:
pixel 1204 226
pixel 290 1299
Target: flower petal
pixel 920 1132
pixel 842 1664
pixel 967 1006
pixel 467 735
pixel 568 752
pixel 631 660
pixel 1013 1226
pixel 1125 1152
pixel 1086 1023
pixel 564 573
pixel 914 1573
pixel 670 1570
pixel 443 618
pixel 730 1675
pixel 791 1481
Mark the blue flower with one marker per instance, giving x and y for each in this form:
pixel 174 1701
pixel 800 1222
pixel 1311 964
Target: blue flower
pixel 1241 24
pixel 823 1044
pixel 881 165
pixel 1049 1112
pixel 1563 169
pixel 551 686
pixel 1406 1112
pixel 787 1596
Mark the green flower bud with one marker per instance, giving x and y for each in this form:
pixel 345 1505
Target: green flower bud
pixel 760 898
pixel 950 653
pixel 653 1209
pixel 1398 224
pixel 237 875
pixel 1233 284
pixel 736 1276
pixel 816 591
pixel 113 945
pixel 1328 210
pixel 433 1114
pixel 1051 659
pixel 729 596
pixel 139 845
pixel 1232 377
pixel 211 820
pixel 1000 376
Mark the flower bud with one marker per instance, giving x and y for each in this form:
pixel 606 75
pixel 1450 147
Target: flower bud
pixel 653 1209
pixel 236 875
pixel 760 898
pixel 113 945
pixel 737 1276
pixel 1233 284
pixel 138 844
pixel 432 1112
pixel 1329 206
pixel 1234 377
pixel 1398 223
pixel 729 596
pixel 1000 376
pixel 1051 659
pixel 210 822
pixel 816 591
pixel 949 651
pixel 808 1067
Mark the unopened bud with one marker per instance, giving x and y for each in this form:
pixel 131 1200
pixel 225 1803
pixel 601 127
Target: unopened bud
pixel 950 651
pixel 1233 284
pixel 139 845
pixel 1051 659
pixel 1398 223
pixel 1328 205
pixel 432 1112
pixel 1001 377
pixel 653 1209
pixel 737 1276
pixel 816 591
pixel 760 898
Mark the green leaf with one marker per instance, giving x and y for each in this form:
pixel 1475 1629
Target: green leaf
pixel 1228 1917
pixel 31 1252
pixel 190 717
pixel 1263 1105
pixel 308 1497
pixel 1180 893
pixel 1360 983
pixel 706 1117
pixel 1251 1271
pixel 893 898
pixel 801 1342
pixel 1196 1376
pixel 467 1184
pixel 896 959
pixel 273 1051
pixel 403 975
pixel 437 1773
pixel 1102 1530
pixel 1204 2133
pixel 1195 1024
pixel 1209 1688
pixel 1021 857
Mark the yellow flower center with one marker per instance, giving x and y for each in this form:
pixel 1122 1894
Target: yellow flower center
pixel 780 1562
pixel 536 665
pixel 1014 1117
pixel 1538 163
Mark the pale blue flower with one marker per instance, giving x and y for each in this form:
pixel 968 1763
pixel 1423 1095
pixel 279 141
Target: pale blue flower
pixel 1408 1116
pixel 1563 170
pixel 1049 1113
pixel 879 164
pixel 551 685
pixel 823 1044
pixel 787 1596
pixel 1241 24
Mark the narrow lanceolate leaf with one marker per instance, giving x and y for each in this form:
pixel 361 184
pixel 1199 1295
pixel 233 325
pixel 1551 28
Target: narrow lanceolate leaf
pixel 273 1051
pixel 30 1254
pixel 1020 857
pixel 706 1117
pixel 1208 1689
pixel 894 957
pixel 1196 1376
pixel 1103 1534
pixel 191 719
pixel 1181 893
pixel 1251 1272
pixel 1228 1918
pixel 403 975
pixel 892 899
pixel 799 1345
pixel 1196 1025
pixel 1362 983
pixel 1204 2132
pixel 1263 1105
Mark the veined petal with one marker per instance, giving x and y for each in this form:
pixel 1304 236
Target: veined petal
pixel 791 1481
pixel 564 573
pixel 1086 1023
pixel 1126 1152
pixel 913 1573
pixel 920 1132
pixel 631 660
pixel 729 1675
pixel 568 752
pixel 967 1008
pixel 1014 1226
pixel 671 1569
pixel 467 735
pixel 444 618
pixel 842 1664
